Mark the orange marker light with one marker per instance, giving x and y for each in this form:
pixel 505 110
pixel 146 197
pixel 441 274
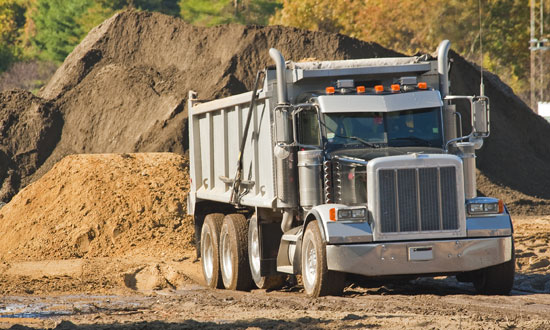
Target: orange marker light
pixel 360 89
pixel 395 88
pixel 422 85
pixel 500 206
pixel 378 88
pixel 330 90
pixel 332 214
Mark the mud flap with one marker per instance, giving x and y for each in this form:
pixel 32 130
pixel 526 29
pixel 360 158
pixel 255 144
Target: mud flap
pixel 270 236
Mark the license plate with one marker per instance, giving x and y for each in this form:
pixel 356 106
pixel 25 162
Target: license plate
pixel 420 253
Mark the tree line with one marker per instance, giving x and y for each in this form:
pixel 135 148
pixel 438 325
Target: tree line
pixel 50 29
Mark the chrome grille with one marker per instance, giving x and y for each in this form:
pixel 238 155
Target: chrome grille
pixel 418 199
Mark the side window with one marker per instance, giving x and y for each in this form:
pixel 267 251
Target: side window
pixel 308 127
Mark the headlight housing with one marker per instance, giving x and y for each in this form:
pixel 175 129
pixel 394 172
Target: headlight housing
pixel 484 206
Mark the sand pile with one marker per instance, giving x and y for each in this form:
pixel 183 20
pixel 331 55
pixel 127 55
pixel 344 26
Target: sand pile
pixel 124 89
pixel 100 206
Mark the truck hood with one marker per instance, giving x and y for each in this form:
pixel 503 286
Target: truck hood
pixel 372 153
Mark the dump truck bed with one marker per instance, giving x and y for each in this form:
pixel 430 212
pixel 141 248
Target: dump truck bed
pixel 216 129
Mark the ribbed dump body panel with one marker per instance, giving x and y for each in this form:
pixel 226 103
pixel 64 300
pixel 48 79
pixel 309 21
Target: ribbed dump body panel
pixel 418 199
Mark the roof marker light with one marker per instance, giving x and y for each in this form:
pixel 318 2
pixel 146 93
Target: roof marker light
pixel 422 85
pixel 378 88
pixel 329 90
pixel 395 88
pixel 360 89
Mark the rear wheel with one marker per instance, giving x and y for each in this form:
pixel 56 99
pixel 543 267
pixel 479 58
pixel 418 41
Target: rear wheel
pixel 254 256
pixel 234 253
pixel 317 279
pixel 210 250
pixel 498 279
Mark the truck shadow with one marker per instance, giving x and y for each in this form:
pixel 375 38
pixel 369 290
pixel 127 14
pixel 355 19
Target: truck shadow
pixel 532 283
pixel 524 284
pixel 259 323
pixel 441 287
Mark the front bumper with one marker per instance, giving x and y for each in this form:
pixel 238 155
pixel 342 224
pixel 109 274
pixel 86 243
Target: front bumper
pixel 419 257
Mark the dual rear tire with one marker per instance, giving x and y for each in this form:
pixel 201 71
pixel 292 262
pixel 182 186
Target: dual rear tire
pixel 234 253
pixel 228 259
pixel 210 250
pixel 230 250
pixel 224 251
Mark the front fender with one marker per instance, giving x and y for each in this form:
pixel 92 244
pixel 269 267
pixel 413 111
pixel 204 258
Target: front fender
pixel 338 232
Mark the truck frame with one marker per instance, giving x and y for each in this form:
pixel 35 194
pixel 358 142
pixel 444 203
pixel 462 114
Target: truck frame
pixel 330 168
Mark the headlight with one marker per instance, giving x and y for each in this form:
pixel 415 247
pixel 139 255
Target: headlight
pixel 352 214
pixel 485 207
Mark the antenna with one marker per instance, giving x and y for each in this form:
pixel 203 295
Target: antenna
pixel 481 85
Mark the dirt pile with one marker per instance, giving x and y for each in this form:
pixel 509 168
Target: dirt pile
pixel 124 89
pixel 515 159
pixel 100 206
pixel 29 130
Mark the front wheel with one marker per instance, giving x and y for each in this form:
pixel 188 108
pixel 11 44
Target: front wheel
pixel 318 280
pixel 496 280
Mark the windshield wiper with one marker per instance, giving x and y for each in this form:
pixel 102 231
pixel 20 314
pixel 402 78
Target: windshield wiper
pixel 417 140
pixel 368 144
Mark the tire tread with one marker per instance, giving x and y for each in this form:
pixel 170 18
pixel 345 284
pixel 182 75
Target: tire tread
pixel 330 282
pixel 237 226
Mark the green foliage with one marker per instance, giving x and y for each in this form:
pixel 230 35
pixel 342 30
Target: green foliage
pixel 12 20
pixel 93 16
pixel 318 15
pixel 61 25
pixel 57 28
pixel 169 7
pixel 507 39
pixel 215 12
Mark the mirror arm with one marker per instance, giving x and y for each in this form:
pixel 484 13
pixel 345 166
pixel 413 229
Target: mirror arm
pixel 459 115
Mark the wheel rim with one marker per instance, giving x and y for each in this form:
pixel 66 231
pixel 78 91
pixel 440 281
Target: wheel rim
pixel 310 271
pixel 227 266
pixel 255 252
pixel 208 255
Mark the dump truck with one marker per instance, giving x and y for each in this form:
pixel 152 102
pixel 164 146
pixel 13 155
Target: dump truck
pixel 330 168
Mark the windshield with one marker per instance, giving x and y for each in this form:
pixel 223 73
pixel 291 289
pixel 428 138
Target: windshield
pixel 420 127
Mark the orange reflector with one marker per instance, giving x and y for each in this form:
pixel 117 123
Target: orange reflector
pixel 395 88
pixel 422 85
pixel 332 214
pixel 330 90
pixel 378 88
pixel 500 206
pixel 360 89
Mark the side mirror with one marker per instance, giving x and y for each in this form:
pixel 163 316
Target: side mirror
pixel 480 117
pixel 305 135
pixel 479 109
